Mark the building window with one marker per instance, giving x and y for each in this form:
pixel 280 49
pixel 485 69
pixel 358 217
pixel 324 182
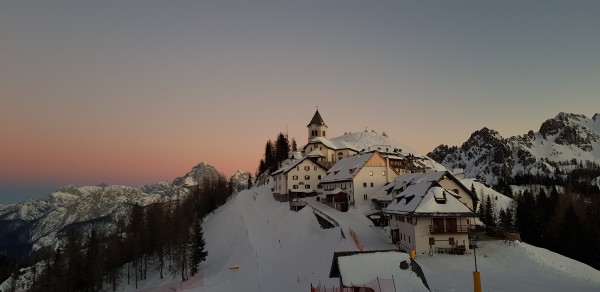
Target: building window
pixel 297 168
pixel 371 173
pixel 401 218
pixel 315 167
pixel 365 197
pixel 307 187
pixel 307 168
pixel 371 184
pixel 409 239
pixel 323 133
pixel 295 187
pixel 307 177
pixel 364 185
pixel 319 177
pixel 295 177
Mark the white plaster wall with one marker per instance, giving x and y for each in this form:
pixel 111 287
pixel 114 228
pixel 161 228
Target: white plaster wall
pixel 378 180
pixel 464 197
pixel 300 172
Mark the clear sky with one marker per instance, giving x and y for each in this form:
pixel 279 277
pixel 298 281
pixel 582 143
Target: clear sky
pixel 134 92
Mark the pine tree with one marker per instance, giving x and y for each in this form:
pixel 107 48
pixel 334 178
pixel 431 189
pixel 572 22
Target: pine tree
pixel 481 212
pixel 526 218
pixel 270 161
pixel 489 216
pixel 474 192
pixel 198 252
pixel 294 145
pixel 282 148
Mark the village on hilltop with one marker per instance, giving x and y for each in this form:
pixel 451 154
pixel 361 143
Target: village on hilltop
pixel 425 207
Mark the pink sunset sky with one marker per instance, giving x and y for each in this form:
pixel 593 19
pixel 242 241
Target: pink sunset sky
pixel 138 92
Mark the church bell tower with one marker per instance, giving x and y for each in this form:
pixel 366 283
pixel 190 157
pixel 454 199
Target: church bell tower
pixel 317 127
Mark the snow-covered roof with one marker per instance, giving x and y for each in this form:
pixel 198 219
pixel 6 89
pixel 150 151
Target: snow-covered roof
pixel 425 198
pixel 347 168
pixel 295 155
pixel 402 182
pixel 288 164
pixel 384 265
pixel 336 191
pixel 314 153
pixel 332 144
pixel 373 141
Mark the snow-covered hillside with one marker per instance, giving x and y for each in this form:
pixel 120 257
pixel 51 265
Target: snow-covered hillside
pixel 499 201
pixel 275 249
pixel 562 143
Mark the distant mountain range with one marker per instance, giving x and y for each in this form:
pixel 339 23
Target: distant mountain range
pixel 36 224
pixel 562 144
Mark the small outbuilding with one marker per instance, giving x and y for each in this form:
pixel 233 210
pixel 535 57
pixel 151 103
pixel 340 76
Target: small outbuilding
pixel 382 271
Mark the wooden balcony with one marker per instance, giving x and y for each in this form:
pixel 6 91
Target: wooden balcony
pixel 440 229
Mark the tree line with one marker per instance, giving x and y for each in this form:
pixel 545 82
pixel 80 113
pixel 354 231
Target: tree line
pixel 566 223
pixel 164 237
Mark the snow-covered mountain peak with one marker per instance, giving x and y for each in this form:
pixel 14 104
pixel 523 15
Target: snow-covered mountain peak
pixel 40 223
pixel 562 142
pixel 197 175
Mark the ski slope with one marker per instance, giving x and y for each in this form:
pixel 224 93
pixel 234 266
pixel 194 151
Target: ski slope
pixel 275 249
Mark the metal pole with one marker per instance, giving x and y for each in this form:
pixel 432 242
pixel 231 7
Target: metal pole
pixel 476 275
pixel 475 256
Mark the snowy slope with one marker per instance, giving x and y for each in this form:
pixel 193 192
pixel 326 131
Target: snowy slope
pixel 280 250
pixel 499 200
pixel 519 267
pixel 275 249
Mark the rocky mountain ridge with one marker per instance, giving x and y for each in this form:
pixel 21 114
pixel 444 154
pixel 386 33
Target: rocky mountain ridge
pixel 563 143
pixel 36 224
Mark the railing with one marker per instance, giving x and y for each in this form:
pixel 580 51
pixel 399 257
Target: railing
pixel 298 203
pixel 451 229
pixel 324 216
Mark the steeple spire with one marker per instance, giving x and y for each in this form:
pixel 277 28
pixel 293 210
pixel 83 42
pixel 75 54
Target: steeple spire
pixel 317 120
pixel 316 127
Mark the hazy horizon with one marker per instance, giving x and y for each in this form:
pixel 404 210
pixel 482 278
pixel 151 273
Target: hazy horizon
pixel 139 92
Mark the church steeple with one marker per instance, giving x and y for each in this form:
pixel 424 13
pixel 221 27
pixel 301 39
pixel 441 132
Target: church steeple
pixel 316 127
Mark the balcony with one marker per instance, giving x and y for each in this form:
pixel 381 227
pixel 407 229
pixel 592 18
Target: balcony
pixel 441 229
